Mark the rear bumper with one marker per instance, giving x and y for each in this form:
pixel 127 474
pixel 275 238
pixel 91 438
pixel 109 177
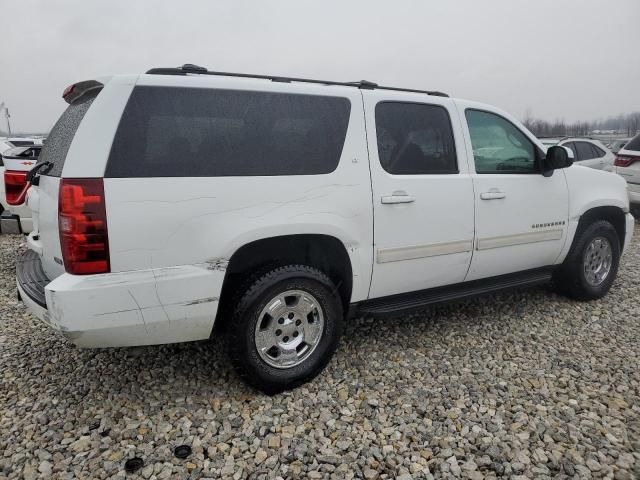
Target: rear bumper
pixel 163 305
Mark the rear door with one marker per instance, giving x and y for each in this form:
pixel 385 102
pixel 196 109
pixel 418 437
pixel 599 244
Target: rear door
pixel 422 192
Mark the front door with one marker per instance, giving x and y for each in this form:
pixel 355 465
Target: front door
pixel 422 192
pixel 521 215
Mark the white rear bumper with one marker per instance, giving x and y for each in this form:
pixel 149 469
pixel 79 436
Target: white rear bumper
pixel 163 305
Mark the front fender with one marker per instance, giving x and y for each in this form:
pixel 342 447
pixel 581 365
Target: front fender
pixel 590 188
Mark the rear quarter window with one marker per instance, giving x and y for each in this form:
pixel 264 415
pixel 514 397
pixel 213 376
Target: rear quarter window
pixel 194 132
pixel 59 140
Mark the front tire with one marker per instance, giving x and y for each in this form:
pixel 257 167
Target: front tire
pixel 592 263
pixel 285 328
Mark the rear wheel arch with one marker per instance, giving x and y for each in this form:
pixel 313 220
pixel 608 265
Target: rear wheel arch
pixel 326 253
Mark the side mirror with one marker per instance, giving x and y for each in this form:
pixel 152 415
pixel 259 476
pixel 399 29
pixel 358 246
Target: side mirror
pixel 557 157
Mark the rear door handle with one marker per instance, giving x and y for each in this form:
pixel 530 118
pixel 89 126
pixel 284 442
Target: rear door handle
pixel 492 195
pixel 398 197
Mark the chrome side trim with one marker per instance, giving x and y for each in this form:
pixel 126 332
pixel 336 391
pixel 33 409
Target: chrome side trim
pixel 411 252
pixel 518 239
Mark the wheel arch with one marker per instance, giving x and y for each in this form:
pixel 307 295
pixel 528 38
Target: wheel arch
pixel 325 252
pixel 612 214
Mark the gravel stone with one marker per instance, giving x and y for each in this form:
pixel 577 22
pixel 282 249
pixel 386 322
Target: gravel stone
pixel 519 384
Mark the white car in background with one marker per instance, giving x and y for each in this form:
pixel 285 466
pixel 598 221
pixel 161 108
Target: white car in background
pixel 18 154
pixel 18 161
pixel 6 144
pixel 628 166
pixel 616 145
pixel 587 152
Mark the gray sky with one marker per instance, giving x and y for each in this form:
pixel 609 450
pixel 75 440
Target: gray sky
pixel 571 59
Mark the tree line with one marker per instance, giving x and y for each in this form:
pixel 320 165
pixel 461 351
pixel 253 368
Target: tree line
pixel 628 124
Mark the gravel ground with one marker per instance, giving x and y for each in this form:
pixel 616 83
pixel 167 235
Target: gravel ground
pixel 524 384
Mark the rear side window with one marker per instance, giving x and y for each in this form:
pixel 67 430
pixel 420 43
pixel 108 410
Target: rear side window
pixel 415 139
pixel 190 132
pixel 634 144
pixel 598 151
pixel 59 139
pixel 584 151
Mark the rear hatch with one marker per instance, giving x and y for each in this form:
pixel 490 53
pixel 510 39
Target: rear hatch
pixel 42 198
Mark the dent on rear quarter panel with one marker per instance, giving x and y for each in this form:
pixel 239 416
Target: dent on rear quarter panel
pixel 163 305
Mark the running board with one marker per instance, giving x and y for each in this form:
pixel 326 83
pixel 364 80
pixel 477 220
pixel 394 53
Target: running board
pixel 411 300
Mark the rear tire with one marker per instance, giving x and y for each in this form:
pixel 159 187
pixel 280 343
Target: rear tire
pixel 285 328
pixel 592 263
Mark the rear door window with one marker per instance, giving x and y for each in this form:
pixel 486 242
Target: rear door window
pixel 415 139
pixel 584 151
pixel 194 132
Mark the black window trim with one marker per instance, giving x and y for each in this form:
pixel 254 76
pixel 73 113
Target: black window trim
pixel 453 136
pixel 538 152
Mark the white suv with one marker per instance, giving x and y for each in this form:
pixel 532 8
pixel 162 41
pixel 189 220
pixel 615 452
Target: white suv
pixel 587 152
pixel 628 165
pixel 275 208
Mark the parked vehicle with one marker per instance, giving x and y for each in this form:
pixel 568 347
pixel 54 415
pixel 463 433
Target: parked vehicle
pixel 16 218
pixel 616 145
pixel 7 144
pixel 588 152
pixel 628 165
pixel 168 203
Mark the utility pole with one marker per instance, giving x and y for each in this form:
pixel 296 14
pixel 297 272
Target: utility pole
pixel 7 116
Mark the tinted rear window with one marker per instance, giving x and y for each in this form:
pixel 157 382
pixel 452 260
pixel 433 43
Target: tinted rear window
pixel 634 144
pixel 62 133
pixel 415 139
pixel 190 132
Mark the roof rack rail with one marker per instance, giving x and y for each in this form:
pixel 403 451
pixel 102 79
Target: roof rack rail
pixel 189 68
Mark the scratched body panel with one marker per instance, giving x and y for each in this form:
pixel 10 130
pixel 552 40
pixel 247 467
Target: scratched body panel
pixel 144 307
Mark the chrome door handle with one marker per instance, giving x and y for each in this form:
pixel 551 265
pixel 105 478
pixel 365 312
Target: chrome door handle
pixel 396 198
pixel 492 195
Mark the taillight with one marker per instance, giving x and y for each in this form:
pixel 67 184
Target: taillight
pixel 16 186
pixel 625 160
pixel 82 221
